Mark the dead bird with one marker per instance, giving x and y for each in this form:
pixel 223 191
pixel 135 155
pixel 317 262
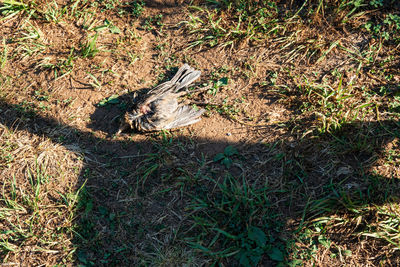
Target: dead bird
pixel 160 109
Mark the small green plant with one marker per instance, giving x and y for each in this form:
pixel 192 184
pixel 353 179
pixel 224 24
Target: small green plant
pixel 54 12
pixel 233 22
pixel 395 104
pixel 40 96
pixel 95 82
pixel 376 3
pixel 154 23
pixel 254 245
pixel 133 57
pixel 89 49
pixel 226 157
pixel 388 29
pixel 108 25
pixel 136 8
pixel 217 85
pixel 112 100
pixel 27 108
pixel 31 40
pixel 60 68
pixel 154 164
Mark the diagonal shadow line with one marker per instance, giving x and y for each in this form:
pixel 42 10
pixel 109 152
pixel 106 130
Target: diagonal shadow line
pixel 16 120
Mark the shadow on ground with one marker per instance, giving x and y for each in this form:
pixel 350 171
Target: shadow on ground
pixel 152 202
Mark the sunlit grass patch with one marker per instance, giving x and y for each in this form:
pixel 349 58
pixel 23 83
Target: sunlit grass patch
pixel 305 31
pixel 38 198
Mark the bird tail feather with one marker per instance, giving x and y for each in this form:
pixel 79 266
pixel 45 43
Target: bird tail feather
pixel 179 73
pixel 184 77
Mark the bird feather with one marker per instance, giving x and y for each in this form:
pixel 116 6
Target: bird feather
pixel 160 108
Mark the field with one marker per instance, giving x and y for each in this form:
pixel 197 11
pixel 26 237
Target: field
pixel 296 161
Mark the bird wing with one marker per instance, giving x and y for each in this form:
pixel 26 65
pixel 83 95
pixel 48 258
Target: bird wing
pixel 185 115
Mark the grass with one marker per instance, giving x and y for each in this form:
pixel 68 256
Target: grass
pixel 60 68
pixel 89 49
pixel 222 219
pixel 296 161
pixel 28 205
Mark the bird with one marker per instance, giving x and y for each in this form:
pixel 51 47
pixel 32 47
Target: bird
pixel 160 109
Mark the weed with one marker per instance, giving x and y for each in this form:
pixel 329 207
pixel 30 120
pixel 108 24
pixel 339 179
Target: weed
pixel 40 96
pixel 136 8
pixel 331 104
pixel 96 83
pixel 154 23
pixel 236 222
pixel 25 212
pixel 226 157
pixel 108 25
pixel 89 49
pixel 30 42
pixel 109 101
pixel 54 12
pixel 11 8
pixel 249 21
pixel 4 55
pixel 388 29
pixel 217 85
pixel 27 108
pixel 61 68
pixel 230 110
pixel 151 165
pixel 395 105
pixel 133 57
pixel 355 203
pixel 89 20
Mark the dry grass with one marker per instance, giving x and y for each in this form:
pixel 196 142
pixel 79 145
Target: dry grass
pixel 38 199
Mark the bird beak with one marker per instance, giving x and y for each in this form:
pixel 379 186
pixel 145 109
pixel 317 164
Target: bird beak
pixel 128 121
pixel 122 128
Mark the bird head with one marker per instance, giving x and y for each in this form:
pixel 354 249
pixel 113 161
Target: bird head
pixel 144 109
pixel 130 121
